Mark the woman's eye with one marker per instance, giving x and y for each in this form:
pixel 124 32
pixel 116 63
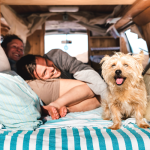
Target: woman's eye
pixel 125 65
pixel 44 72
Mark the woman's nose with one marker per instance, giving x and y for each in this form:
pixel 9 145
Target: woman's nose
pixel 18 49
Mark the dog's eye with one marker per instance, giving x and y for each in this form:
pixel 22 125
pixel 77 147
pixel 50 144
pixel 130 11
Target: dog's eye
pixel 125 65
pixel 113 65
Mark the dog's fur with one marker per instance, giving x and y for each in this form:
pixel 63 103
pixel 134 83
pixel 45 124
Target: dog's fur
pixel 147 83
pixel 127 95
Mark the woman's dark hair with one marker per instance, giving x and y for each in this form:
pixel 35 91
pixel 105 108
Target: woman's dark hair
pixel 26 66
pixel 8 38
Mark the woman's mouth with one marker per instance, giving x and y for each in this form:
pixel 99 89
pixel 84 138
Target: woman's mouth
pixel 17 55
pixel 54 72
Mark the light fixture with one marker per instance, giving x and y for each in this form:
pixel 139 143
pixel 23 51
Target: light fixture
pixel 63 9
pixel 66 42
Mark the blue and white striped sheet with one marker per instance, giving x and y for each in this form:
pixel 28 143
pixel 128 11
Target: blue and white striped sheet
pixel 90 132
pixel 86 138
pixel 78 131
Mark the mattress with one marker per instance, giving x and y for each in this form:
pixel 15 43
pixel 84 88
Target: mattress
pixel 78 131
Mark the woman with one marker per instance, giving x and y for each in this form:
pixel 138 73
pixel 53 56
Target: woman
pixel 14 49
pixel 75 92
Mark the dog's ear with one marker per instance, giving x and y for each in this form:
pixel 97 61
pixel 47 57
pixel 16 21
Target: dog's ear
pixel 139 57
pixel 104 59
pixel 101 63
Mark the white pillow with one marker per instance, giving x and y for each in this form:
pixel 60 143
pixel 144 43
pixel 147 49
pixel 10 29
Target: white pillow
pixel 4 63
pixel 19 105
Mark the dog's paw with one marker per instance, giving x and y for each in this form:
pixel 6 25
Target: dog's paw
pixel 114 127
pixel 106 118
pixel 145 125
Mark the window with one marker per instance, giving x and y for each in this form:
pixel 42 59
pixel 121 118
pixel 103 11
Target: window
pixel 136 44
pixel 78 46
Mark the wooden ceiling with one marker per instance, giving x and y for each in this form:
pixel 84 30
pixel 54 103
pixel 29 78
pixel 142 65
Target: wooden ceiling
pixel 67 2
pixel 28 9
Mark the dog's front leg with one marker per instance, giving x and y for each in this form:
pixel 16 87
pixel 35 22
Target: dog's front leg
pixel 139 113
pixel 116 117
pixel 106 111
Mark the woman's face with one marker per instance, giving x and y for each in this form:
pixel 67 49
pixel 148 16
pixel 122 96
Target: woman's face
pixel 45 69
pixel 15 50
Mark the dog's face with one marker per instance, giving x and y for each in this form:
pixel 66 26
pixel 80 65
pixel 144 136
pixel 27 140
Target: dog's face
pixel 122 69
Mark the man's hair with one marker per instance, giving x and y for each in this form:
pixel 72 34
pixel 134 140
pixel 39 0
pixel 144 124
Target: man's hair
pixel 26 66
pixel 8 38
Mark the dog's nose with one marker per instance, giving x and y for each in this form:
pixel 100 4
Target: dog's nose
pixel 118 72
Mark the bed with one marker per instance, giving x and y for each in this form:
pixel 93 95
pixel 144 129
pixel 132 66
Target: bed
pixel 76 131
pixel 79 131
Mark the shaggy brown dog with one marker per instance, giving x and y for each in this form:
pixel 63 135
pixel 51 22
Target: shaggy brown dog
pixel 127 95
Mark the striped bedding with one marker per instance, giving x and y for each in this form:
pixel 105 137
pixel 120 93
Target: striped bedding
pixel 89 134
pixel 86 138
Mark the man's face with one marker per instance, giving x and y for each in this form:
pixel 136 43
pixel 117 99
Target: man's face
pixel 15 50
pixel 45 69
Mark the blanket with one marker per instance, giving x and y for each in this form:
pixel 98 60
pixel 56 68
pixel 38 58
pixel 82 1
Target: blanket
pixel 91 118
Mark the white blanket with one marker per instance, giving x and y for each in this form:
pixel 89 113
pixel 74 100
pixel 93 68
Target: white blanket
pixel 80 119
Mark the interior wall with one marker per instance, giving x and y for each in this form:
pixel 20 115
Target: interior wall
pixel 36 42
pixel 100 46
pixel 146 34
pixel 124 47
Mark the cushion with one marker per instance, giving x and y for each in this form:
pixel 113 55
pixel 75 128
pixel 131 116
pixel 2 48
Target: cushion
pixel 4 63
pixel 19 105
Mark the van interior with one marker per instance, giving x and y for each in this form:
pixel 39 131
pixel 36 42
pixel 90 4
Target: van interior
pixel 93 22
pixel 87 30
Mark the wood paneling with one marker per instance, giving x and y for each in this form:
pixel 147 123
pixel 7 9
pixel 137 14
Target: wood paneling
pixel 134 10
pixel 36 41
pixel 3 29
pixel 106 52
pixel 28 9
pixel 0 24
pixel 143 18
pixel 89 47
pixel 146 33
pixel 101 45
pixel 42 48
pixel 67 2
pixel 104 42
pixel 124 47
pixel 60 17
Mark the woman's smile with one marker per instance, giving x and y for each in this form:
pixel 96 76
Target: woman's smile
pixel 45 69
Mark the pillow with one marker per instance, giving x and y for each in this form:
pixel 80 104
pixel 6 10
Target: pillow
pixel 19 105
pixel 4 63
